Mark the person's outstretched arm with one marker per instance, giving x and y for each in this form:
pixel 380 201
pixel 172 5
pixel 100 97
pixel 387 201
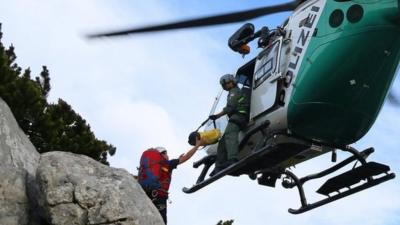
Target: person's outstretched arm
pixel 185 157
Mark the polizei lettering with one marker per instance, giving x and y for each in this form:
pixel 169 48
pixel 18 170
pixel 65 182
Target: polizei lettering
pixel 307 25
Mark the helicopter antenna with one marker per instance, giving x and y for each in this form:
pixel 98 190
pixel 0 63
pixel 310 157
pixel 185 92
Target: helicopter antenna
pixel 206 21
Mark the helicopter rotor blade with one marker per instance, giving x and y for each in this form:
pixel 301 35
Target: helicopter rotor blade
pixel 207 21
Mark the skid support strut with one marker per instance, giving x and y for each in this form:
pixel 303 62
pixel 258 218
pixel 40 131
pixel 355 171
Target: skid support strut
pixel 366 171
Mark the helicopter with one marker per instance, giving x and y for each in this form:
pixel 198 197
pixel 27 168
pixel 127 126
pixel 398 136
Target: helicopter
pixel 316 87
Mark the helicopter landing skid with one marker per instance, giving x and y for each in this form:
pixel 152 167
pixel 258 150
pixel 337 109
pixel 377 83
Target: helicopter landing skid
pixel 208 161
pixel 366 171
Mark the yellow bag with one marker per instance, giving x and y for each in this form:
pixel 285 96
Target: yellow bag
pixel 209 136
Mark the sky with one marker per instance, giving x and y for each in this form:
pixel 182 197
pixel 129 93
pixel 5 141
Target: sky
pixel 154 89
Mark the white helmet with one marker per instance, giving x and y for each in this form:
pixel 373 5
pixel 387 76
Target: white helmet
pixel 226 79
pixel 160 149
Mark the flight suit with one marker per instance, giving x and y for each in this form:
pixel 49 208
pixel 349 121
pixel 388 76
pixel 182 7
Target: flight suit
pixel 237 109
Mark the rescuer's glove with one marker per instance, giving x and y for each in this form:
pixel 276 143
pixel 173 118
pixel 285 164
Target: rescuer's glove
pixel 213 117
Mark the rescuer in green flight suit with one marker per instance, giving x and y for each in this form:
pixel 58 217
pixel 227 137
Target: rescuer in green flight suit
pixel 237 109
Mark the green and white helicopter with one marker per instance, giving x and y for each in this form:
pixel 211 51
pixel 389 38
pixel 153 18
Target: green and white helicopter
pixel 316 87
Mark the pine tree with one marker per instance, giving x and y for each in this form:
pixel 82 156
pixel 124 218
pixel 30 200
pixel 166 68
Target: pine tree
pixel 228 222
pixel 44 81
pixel 50 127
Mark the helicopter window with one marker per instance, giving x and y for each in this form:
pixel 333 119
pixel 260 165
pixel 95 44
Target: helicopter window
pixel 266 64
pixel 244 75
pixel 219 104
pixel 243 80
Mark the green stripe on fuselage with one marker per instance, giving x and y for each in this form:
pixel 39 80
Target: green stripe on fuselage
pixel 346 73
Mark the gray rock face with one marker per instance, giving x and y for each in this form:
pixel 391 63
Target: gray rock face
pixel 14 203
pixel 63 188
pixel 18 162
pixel 74 189
pixel 16 149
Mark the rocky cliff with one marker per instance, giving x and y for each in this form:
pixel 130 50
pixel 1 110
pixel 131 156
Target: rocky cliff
pixel 58 188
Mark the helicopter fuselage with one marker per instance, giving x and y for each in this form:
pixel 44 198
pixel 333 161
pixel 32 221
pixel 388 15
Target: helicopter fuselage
pixel 317 86
pixel 346 72
pixel 333 69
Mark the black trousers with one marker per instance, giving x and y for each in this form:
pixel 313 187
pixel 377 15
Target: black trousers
pixel 160 203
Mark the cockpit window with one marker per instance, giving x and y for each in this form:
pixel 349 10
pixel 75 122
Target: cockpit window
pixel 219 104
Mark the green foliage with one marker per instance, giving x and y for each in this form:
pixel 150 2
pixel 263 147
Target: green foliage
pixel 228 222
pixel 50 127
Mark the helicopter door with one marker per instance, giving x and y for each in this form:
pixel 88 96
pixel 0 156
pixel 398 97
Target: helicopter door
pixel 265 86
